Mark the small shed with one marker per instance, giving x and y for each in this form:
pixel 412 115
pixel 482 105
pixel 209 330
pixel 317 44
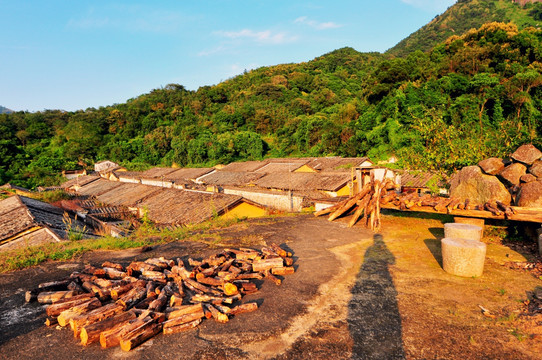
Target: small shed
pixel 105 165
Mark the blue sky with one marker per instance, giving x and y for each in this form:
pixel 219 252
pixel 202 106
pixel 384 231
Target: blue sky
pixel 73 55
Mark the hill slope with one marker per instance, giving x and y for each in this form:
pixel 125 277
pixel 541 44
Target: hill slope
pixel 5 110
pixel 466 15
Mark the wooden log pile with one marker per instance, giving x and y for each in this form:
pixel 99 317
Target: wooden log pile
pixel 125 306
pixel 375 195
pixel 366 204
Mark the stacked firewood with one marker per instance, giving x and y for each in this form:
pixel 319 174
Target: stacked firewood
pixel 444 204
pixel 117 305
pixel 376 195
pixel 367 203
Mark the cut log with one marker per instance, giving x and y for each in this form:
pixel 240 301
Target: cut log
pixel 91 333
pixel 287 270
pixel 273 278
pixel 49 297
pixel 361 208
pixel 248 307
pixel 114 274
pixel 442 204
pixel 119 290
pixel 175 300
pixel 209 299
pixel 132 297
pixel 65 316
pixel 257 276
pixel 266 264
pixel 173 313
pixel 201 278
pixel 280 251
pixel 144 304
pixel 153 276
pixel 51 321
pixel 94 316
pixel 113 336
pixel 331 209
pixel 229 289
pixel 351 202
pixel 200 287
pixel 217 315
pixel 181 327
pixel 160 302
pixel 183 319
pixel 109 264
pixel 138 337
pixel 56 308
pixel 288 261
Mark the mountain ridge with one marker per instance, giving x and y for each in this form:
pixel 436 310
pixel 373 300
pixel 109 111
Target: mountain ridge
pixel 468 14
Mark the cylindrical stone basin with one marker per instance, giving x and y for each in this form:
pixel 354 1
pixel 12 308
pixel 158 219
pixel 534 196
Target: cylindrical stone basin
pixel 473 221
pixel 462 231
pixel 463 257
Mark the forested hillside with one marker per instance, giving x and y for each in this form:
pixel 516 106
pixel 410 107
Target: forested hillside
pixel 470 97
pixel 466 15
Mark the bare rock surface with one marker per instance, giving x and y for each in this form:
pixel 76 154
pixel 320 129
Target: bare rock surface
pixel 512 174
pixel 527 178
pixel 491 166
pixel 530 195
pixel 536 169
pixel 527 154
pixel 471 183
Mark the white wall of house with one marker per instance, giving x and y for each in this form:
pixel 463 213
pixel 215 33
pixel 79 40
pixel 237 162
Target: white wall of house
pixel 278 201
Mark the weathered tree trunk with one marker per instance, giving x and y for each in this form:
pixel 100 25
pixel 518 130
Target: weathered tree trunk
pixel 49 297
pixel 248 307
pixel 91 333
pixel 112 336
pixel 139 336
pixel 266 264
pixel 56 308
pixel 217 315
pixel 181 327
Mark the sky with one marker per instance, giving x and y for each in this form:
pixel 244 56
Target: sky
pixel 73 55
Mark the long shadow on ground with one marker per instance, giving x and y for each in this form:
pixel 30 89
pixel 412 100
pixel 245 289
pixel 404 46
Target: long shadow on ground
pixel 373 314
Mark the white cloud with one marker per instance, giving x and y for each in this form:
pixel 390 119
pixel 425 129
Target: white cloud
pixel 263 37
pixel 315 24
pixel 431 5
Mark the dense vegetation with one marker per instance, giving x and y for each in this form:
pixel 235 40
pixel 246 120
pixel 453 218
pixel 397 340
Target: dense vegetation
pixel 466 15
pixel 470 97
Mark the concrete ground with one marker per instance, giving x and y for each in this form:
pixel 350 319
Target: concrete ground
pixel 355 295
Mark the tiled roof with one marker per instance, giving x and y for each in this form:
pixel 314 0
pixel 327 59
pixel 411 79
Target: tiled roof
pixel 305 181
pixel 81 181
pixel 233 178
pixel 246 166
pixel 19 213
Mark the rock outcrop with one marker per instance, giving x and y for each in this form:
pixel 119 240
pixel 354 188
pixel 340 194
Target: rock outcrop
pixel 517 181
pixel 471 183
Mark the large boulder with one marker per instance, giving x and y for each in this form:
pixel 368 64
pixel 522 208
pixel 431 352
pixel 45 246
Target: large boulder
pixel 527 154
pixel 471 183
pixel 512 174
pixel 492 166
pixel 536 169
pixel 530 195
pixel 527 178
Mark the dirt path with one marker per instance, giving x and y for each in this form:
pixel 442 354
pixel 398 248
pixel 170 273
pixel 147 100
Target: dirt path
pixel 353 296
